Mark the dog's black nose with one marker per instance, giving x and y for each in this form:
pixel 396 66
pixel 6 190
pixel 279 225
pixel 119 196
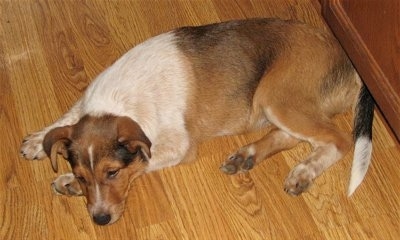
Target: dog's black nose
pixel 102 219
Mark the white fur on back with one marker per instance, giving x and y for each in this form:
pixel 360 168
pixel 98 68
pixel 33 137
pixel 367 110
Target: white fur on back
pixel 362 159
pixel 149 84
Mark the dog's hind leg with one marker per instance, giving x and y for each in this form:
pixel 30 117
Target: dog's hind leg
pixel 329 144
pixel 250 155
pixel 32 148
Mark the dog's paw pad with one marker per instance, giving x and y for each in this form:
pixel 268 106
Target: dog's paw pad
pixel 237 163
pixel 298 181
pixel 248 163
pixel 228 169
pixel 32 147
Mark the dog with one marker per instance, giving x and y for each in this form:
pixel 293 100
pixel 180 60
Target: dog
pixel 154 105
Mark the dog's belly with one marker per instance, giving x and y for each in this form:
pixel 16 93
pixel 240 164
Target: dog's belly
pixel 216 118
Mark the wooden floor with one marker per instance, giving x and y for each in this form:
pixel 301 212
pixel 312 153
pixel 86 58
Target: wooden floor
pixel 49 52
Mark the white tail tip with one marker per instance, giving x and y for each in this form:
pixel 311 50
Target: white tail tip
pixel 361 161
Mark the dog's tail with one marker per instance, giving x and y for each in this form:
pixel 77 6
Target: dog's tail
pixel 364 114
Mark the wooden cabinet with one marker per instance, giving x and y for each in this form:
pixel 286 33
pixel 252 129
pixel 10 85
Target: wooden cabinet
pixel 369 31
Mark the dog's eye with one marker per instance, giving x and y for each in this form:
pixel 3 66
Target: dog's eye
pixel 112 174
pixel 81 179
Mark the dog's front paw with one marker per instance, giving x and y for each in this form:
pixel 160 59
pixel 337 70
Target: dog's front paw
pixel 32 147
pixel 237 163
pixel 299 180
pixel 66 184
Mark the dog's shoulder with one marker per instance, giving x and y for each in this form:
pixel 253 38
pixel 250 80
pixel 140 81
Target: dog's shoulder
pixel 148 83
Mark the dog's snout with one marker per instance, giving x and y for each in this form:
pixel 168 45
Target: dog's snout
pixel 102 219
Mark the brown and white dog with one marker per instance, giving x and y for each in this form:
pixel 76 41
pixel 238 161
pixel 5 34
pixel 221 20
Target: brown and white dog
pixel 152 107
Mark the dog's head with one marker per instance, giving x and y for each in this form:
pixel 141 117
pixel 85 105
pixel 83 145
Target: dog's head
pixel 106 153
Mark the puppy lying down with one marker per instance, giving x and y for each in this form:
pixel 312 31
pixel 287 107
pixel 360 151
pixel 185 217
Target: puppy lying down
pixel 152 107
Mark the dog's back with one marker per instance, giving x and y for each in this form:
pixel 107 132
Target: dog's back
pixel 238 63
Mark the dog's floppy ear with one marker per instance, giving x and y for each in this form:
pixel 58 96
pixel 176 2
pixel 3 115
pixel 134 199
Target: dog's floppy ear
pixel 55 142
pixel 132 137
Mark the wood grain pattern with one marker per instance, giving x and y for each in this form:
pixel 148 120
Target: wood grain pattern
pixel 50 50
